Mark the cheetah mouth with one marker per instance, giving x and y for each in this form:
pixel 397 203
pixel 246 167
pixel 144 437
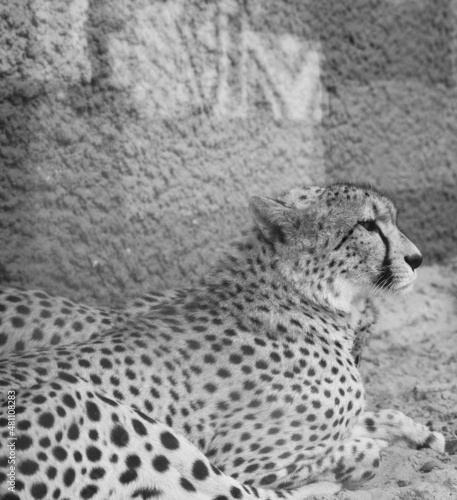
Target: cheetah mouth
pixel 403 288
pixel 389 281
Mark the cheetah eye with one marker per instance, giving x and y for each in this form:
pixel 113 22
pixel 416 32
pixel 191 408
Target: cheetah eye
pixel 369 225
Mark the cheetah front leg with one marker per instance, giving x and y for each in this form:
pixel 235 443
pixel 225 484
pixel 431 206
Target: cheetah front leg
pixel 392 427
pixel 355 461
pixel 351 464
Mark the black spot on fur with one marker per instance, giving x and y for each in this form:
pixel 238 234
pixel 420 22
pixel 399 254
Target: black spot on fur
pixel 93 453
pixel 169 441
pixel 187 485
pixel 67 377
pixel 93 411
pixel 109 401
pixel 59 453
pixel 39 491
pixel 69 477
pixel 147 493
pixel 97 473
pixel 119 436
pixel 88 491
pixel 28 467
pixel 128 476
pixel 160 463
pixel 200 470
pixel 68 400
pixel 270 478
pixel 46 420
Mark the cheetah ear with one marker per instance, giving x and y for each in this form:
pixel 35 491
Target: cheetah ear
pixel 272 217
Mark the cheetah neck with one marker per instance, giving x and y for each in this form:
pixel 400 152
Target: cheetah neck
pixel 249 287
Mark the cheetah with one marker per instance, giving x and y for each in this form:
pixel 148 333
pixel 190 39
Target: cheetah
pixel 243 388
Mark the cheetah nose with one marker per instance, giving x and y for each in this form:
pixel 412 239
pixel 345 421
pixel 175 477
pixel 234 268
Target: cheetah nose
pixel 414 261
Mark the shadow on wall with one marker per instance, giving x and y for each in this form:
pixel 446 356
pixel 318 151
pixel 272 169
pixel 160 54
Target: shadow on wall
pixel 430 219
pixel 389 73
pixel 369 41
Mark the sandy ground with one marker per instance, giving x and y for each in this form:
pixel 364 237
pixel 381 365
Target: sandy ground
pixel 410 365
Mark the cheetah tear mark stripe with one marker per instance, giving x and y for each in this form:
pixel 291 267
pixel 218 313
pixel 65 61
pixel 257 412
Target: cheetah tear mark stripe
pixel 345 238
pixel 385 277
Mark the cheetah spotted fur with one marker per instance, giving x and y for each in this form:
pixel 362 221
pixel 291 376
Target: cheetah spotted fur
pixel 33 319
pixel 244 387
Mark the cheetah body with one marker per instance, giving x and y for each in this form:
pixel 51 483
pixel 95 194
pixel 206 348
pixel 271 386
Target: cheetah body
pixel 33 319
pixel 250 373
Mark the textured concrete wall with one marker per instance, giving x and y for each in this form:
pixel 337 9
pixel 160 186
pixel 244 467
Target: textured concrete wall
pixel 390 76
pixel 133 133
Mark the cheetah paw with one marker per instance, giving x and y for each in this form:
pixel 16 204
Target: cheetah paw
pixel 324 488
pixel 435 441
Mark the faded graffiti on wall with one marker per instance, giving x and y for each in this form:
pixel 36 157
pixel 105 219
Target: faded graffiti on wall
pixel 218 63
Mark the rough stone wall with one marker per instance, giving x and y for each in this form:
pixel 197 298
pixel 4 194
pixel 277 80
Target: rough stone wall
pixel 390 77
pixel 133 133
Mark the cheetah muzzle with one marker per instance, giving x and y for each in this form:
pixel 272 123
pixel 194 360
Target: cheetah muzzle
pixel 244 387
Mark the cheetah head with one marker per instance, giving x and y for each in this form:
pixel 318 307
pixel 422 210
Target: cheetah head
pixel 338 244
